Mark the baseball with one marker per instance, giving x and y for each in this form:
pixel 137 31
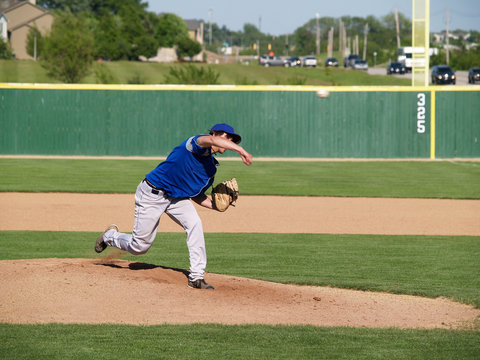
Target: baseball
pixel 323 93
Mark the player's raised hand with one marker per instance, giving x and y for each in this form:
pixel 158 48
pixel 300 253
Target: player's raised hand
pixel 247 158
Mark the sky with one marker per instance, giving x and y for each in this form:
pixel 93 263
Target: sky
pixel 278 17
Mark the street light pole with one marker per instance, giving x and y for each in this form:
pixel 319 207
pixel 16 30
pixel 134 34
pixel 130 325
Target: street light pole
pixel 317 15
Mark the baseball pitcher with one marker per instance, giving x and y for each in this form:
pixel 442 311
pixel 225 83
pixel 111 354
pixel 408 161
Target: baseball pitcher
pixel 186 174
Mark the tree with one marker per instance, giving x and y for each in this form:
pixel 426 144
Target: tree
pixel 68 48
pixel 66 5
pixel 251 34
pixel 305 40
pixel 108 40
pixel 138 31
pixel 170 28
pixel 188 47
pixel 34 42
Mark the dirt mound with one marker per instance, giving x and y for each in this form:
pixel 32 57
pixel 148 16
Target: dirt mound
pixel 96 291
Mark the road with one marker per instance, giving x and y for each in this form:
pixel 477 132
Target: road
pixel 462 76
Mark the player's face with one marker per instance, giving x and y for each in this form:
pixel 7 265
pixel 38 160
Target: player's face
pixel 217 149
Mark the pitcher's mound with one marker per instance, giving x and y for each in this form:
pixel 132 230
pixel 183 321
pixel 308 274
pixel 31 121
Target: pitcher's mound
pixel 97 291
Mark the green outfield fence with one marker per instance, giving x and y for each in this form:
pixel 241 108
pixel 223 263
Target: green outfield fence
pixel 274 121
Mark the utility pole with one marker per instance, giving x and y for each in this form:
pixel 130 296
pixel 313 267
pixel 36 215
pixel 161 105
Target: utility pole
pixel 286 44
pixel 447 39
pixel 35 45
pixel 210 27
pixel 330 42
pixel 398 28
pixel 259 31
pixel 340 35
pixel 365 42
pixel 317 15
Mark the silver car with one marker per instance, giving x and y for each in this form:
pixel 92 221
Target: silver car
pixel 309 61
pixel 360 64
pixel 267 61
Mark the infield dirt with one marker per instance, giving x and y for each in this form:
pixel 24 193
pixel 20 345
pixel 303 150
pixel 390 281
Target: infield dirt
pixel 110 290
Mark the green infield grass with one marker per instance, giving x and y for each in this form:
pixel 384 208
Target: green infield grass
pixel 55 341
pixel 422 265
pixel 404 179
pixel 429 266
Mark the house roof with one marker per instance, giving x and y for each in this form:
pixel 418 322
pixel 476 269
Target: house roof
pixel 29 21
pixel 193 24
pixel 6 4
pixel 9 5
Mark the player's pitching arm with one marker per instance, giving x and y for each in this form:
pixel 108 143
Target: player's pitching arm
pixel 221 143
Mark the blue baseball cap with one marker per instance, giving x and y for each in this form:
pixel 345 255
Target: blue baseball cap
pixel 229 130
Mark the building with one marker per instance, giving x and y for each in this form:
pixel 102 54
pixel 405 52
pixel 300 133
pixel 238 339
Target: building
pixel 195 31
pixel 3 27
pixel 16 20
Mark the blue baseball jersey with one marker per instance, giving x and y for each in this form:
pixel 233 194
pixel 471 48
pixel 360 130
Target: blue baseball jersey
pixel 187 172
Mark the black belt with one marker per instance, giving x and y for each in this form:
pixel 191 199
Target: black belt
pixel 155 190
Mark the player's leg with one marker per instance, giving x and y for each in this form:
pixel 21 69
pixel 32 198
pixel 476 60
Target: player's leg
pixel 148 209
pixel 184 213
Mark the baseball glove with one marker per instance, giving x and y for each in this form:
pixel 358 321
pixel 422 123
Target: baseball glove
pixel 225 194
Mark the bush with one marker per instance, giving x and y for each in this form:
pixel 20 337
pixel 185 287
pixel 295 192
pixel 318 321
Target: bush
pixel 296 80
pixel 193 75
pixel 136 79
pixel 103 75
pixel 458 59
pixel 245 81
pixel 5 50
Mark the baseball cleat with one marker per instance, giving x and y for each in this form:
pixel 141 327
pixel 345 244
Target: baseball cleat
pixel 100 244
pixel 199 284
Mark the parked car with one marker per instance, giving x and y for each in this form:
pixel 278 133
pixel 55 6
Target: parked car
pixel 309 61
pixel 267 61
pixel 350 60
pixel 473 75
pixel 333 62
pixel 294 61
pixel 443 74
pixel 395 67
pixel 360 64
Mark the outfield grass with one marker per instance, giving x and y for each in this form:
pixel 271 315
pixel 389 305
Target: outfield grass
pixel 405 179
pixel 125 72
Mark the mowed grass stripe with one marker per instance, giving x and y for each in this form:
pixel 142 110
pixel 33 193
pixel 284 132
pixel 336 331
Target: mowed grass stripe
pixel 56 341
pixel 399 179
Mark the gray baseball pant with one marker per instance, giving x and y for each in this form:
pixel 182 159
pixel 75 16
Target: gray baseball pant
pixel 149 207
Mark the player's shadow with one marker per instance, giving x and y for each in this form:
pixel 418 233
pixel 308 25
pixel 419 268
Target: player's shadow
pixel 144 266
